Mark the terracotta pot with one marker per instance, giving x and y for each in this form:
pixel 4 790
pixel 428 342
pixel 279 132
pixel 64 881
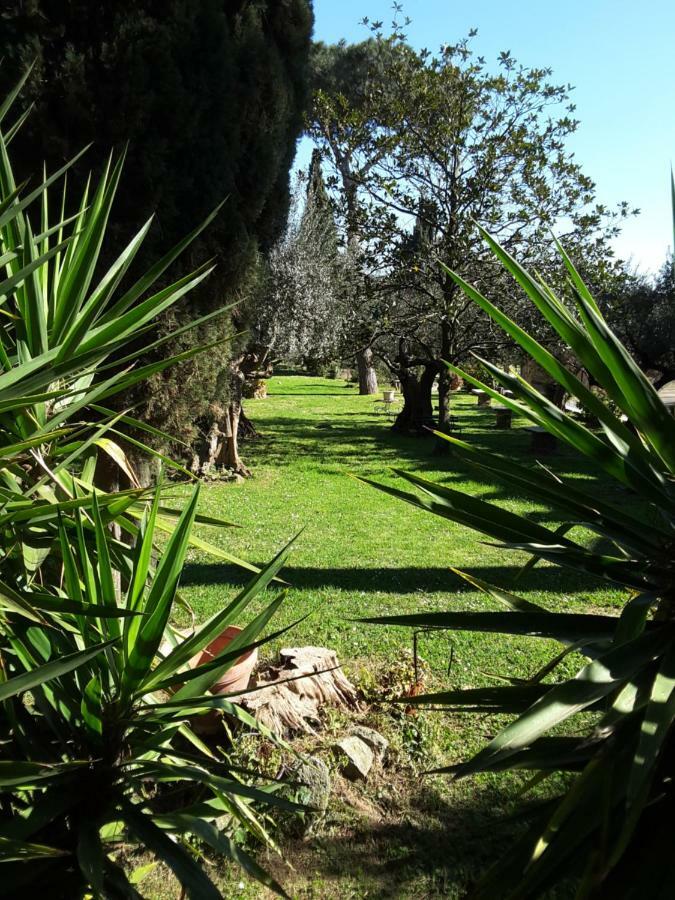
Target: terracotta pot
pixel 237 677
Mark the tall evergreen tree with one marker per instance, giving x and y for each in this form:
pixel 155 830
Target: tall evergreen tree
pixel 317 214
pixel 210 95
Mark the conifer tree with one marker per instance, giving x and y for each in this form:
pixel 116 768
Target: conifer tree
pixel 210 96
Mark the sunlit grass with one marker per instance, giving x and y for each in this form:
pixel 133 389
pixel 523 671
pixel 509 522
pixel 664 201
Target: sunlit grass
pixel 362 553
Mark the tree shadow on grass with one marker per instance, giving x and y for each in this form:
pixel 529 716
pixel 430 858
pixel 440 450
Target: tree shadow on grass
pixel 439 846
pixel 313 393
pixel 405 579
pixel 361 443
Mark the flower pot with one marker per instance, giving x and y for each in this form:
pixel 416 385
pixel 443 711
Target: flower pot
pixel 238 676
pixel 388 396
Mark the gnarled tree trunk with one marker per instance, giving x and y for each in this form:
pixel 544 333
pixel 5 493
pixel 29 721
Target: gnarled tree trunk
pixel 417 415
pixel 228 455
pixel 229 449
pixel 220 445
pixel 367 374
pixel 247 430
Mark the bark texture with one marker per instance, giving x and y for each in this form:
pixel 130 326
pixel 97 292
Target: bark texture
pixel 220 444
pixel 367 374
pixel 417 415
pixel 306 680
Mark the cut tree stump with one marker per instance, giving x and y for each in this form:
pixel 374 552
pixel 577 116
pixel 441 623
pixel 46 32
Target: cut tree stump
pixel 290 695
pixel 503 415
pixel 542 441
pixel 482 398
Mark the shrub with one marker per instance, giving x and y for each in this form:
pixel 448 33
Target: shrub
pixel 101 750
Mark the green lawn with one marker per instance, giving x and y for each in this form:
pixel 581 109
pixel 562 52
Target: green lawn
pixel 363 553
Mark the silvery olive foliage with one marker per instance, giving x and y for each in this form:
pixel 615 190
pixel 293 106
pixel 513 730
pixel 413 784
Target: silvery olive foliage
pixel 301 311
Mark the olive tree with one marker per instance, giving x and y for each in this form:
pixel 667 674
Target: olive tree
pixel 299 310
pixel 436 145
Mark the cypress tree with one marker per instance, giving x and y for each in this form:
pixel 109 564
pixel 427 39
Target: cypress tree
pixel 210 96
pixel 318 217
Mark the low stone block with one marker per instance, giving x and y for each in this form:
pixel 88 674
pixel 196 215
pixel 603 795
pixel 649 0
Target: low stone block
pixel 312 773
pixel 376 741
pixel 355 757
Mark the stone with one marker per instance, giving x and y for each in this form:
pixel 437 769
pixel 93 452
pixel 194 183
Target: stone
pixel 355 757
pixel 312 774
pixel 376 741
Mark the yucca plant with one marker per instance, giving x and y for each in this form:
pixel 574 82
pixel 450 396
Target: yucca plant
pixel 95 744
pixel 64 330
pixel 611 827
pixel 96 749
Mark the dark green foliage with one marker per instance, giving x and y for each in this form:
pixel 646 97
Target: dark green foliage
pixel 447 140
pixel 318 216
pixel 643 313
pixel 210 96
pixel 85 617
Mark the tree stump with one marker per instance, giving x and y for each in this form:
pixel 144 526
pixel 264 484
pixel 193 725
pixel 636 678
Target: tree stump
pixel 482 398
pixel 542 442
pixel 503 417
pixel 291 695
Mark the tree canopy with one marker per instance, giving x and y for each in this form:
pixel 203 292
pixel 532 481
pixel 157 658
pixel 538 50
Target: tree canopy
pixel 299 310
pixel 436 145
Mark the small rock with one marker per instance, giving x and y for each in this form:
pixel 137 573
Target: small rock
pixel 376 741
pixel 356 757
pixel 310 785
pixel 312 773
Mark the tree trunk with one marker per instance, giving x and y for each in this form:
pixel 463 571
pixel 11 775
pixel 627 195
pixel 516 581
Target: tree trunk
pixel 229 451
pixel 229 427
pixel 367 374
pixel 444 378
pixel 417 415
pixel 247 430
pixel 220 446
pixel 444 386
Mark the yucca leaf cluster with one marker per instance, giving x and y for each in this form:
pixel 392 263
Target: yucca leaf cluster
pixel 609 728
pixel 97 691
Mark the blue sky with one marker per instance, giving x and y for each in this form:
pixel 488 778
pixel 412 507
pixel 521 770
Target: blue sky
pixel 618 55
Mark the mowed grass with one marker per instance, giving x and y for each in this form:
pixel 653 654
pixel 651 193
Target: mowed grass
pixel 363 553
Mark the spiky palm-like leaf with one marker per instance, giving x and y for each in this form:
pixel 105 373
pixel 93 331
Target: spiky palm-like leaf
pixel 94 716
pixel 609 829
pixel 64 327
pixel 88 724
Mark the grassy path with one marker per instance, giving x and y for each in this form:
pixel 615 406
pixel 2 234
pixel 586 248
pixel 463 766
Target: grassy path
pixel 364 553
pixel 361 552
